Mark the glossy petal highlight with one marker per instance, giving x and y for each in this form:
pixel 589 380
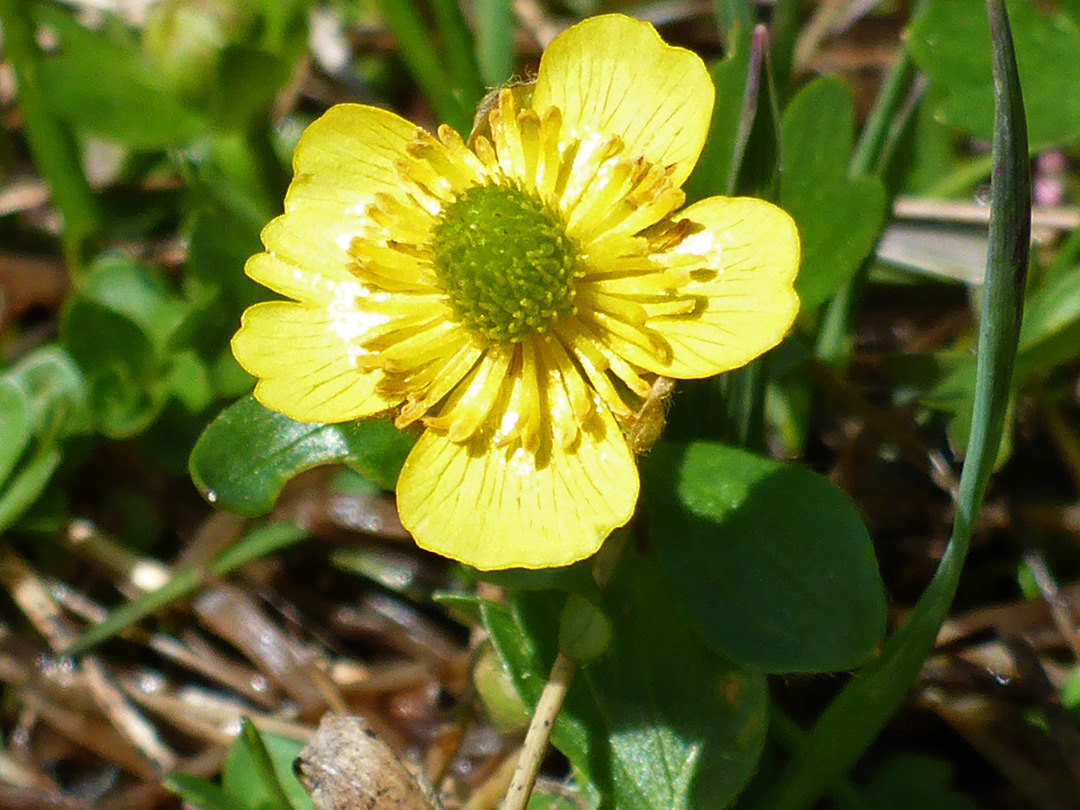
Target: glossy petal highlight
pixel 613 75
pixel 748 304
pixel 306 363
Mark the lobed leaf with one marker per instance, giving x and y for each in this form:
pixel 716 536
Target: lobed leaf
pixel 950 42
pixel 248 453
pixel 839 216
pixel 774 565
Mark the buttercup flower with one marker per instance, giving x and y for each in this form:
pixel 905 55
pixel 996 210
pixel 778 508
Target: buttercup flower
pixel 517 296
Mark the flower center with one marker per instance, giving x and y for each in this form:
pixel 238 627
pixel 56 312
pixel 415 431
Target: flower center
pixel 504 259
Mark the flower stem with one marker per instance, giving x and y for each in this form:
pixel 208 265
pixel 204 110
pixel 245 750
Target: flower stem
pixel 536 738
pixel 554 694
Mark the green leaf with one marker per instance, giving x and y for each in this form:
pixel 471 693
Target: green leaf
pixel 51 142
pixel 251 775
pixel 188 381
pixel 716 168
pixel 119 365
pixel 284 27
pixel 56 390
pixel 221 241
pixel 682 736
pixel 758 158
pixel 1050 333
pixel 248 81
pixel 99 85
pixel 27 484
pixel 494 41
pixel 773 562
pixel 908 781
pixel 42 402
pixel 202 793
pixel 117 328
pixel 424 63
pixel 248 453
pixel 525 636
pixel 16 426
pixel 839 216
pixel 950 42
pixel 565 799
pixel 462 55
pixel 648 735
pixel 134 292
pixel 257 775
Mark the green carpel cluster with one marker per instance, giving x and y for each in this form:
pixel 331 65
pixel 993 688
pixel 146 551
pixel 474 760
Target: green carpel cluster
pixel 505 261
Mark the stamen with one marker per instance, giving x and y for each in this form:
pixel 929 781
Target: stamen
pixel 486 154
pixel 560 410
pixel 595 365
pixel 428 181
pixel 421 349
pixel 639 344
pixel 548 160
pixel 531 403
pixel 427 387
pixel 458 174
pixel 532 146
pixel 471 402
pixel 389 268
pixel 591 155
pixel 506 136
pixel 452 141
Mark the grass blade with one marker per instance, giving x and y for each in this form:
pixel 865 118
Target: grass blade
pixel 51 143
pixel 461 55
pixel 784 30
pixel 423 62
pixel 27 484
pixel 860 712
pixel 495 41
pixel 263 541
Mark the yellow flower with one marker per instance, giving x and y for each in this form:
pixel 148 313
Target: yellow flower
pixel 517 297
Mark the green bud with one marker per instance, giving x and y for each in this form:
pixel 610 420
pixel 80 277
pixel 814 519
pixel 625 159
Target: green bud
pixel 584 630
pixel 495 686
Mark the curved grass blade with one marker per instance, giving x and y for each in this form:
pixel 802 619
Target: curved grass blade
pixel 860 712
pixel 28 483
pixel 263 541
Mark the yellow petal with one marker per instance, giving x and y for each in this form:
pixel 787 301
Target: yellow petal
pixel 344 159
pixel 303 261
pixel 506 508
pixel 614 76
pixel 348 156
pixel 305 359
pixel 750 303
